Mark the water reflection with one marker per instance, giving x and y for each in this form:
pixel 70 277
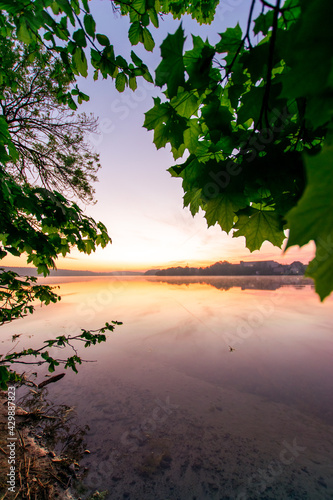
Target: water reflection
pixel 173 413
pixel 244 283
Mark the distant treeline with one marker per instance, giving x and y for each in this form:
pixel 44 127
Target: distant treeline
pixel 31 271
pixel 260 268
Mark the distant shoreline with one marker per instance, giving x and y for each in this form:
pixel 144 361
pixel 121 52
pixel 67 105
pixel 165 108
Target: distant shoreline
pixel 31 271
pixel 255 268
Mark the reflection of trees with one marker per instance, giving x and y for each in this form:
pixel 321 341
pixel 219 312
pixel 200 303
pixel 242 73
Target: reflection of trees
pixel 243 282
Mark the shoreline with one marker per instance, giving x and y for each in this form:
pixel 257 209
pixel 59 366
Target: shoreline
pixel 32 468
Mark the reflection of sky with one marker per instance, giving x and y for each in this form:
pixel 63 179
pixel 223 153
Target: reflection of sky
pixel 138 200
pixel 282 337
pixel 172 349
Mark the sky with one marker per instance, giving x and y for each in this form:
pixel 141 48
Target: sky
pixel 137 199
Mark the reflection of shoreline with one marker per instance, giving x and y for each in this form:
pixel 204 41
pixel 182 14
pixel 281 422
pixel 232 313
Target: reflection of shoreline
pixel 243 282
pixel 220 282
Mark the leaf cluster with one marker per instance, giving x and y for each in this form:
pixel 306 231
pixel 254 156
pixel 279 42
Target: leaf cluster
pixel 252 123
pixel 66 29
pixel 43 224
pixel 18 294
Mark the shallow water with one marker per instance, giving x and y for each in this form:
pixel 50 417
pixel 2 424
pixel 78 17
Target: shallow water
pixel 173 413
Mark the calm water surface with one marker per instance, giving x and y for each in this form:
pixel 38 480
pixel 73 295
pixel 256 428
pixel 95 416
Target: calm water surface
pixel 173 413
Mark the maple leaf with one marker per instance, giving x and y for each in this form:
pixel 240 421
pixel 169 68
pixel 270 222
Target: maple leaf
pixel 171 70
pixel 312 219
pixel 261 226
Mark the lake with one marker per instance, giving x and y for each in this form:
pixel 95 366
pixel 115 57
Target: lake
pixel 213 388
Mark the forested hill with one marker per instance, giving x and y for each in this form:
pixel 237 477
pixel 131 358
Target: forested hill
pixel 264 268
pixel 30 271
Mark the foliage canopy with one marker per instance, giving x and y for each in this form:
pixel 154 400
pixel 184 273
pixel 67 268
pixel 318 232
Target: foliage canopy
pixel 252 121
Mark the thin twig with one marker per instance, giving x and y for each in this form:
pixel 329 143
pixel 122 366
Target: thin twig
pixel 241 45
pixel 56 477
pixel 22 440
pixel 269 67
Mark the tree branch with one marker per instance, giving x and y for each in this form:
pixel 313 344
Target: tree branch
pixel 264 106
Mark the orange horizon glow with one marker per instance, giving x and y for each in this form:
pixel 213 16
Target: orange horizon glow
pixel 94 263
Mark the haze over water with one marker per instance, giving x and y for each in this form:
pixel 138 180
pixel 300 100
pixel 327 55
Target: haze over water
pixel 173 413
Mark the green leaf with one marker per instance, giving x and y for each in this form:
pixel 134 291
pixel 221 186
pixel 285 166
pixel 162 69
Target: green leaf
pixel 139 6
pixel 71 103
pixel 230 40
pixel 312 219
pixel 222 210
pixel 321 267
pixel 48 36
pixel 75 6
pixel 134 16
pixel 191 135
pixel 85 5
pixel 234 93
pixel 147 76
pixel 263 22
pixel 198 63
pixel 135 33
pixel 148 40
pixel 185 103
pixel 171 70
pixel 132 83
pixel 103 40
pixel 309 69
pixel 90 25
pixel 156 115
pixel 90 246
pixel 259 227
pixel 319 110
pixel 136 60
pixel 145 19
pixel 80 61
pixel 80 37
pixel 55 8
pixel 4 377
pixel 121 62
pixel 172 131
pixel 67 8
pixel 153 17
pixel 178 153
pixel 121 81
pixel 255 61
pixel 251 105
pixel 167 125
pixel 23 32
pixel 193 199
pixel 217 118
